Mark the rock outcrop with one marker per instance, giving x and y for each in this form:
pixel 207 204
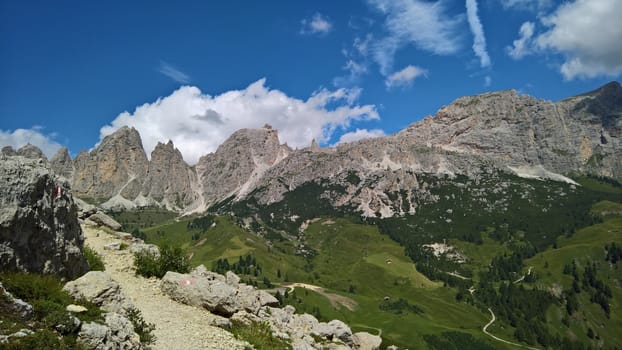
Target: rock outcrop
pixel 39 229
pixel 116 167
pixel 117 332
pixel 226 296
pixel 31 151
pixel 61 163
pixel 209 290
pixel 169 180
pixel 239 163
pixel 99 288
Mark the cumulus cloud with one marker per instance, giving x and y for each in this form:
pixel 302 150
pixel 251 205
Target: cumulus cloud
pixel 198 123
pixel 424 24
pixel 405 76
pixel 589 35
pixel 523 45
pixel 479 39
pixel 173 73
pixel 317 24
pixel 20 137
pixel 360 134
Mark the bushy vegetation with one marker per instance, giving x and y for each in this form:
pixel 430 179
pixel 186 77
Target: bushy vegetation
pixel 143 328
pixel 53 325
pixel 172 258
pixel 95 261
pixel 399 306
pixel 259 335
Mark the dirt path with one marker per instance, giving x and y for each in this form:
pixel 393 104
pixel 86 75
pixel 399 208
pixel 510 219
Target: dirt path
pixel 492 320
pixel 178 326
pixel 523 276
pixel 335 299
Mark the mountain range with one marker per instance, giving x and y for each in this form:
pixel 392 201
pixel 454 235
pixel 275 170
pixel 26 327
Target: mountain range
pixel 505 130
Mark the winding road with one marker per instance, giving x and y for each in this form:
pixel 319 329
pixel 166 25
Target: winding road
pixel 492 320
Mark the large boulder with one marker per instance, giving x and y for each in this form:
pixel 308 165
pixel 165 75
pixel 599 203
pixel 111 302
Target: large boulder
pixel 117 333
pixel 211 291
pixel 39 229
pixel 105 220
pixel 99 288
pixel 366 341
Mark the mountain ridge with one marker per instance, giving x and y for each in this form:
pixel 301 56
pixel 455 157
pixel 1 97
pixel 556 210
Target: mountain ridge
pixel 503 130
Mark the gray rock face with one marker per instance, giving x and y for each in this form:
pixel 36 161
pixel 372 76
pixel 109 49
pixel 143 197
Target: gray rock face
pixel 578 134
pixel 31 151
pixel 169 180
pixel 211 291
pixel 239 163
pixel 15 306
pixel 39 229
pixel 105 220
pixel 117 333
pixel 116 167
pixel 8 151
pixel 61 163
pixel 99 288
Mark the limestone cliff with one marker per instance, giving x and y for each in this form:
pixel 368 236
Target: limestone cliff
pixel 39 230
pixel 117 167
pixel 169 180
pixel 61 163
pixel 239 163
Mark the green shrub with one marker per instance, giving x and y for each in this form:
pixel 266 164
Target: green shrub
pixel 172 258
pixel 95 261
pixel 259 335
pixel 141 327
pixel 49 301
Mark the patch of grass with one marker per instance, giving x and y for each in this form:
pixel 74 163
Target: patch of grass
pixel 456 341
pixel 49 301
pixel 94 259
pixel 260 336
pixel 172 258
pixel 606 209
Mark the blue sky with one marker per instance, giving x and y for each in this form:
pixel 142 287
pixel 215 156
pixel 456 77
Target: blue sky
pixel 74 71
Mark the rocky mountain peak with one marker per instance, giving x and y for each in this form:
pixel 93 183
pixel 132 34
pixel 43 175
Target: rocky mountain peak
pixel 169 179
pixel 61 163
pixel 239 162
pixel 8 151
pixel 115 167
pixel 31 151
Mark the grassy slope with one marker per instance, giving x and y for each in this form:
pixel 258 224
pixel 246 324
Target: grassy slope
pixel 355 255
pixel 585 246
pixel 349 254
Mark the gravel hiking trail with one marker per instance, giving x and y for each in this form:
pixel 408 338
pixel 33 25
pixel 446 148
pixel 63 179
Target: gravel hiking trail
pixel 178 326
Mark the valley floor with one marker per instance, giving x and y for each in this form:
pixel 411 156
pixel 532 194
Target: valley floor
pixel 178 326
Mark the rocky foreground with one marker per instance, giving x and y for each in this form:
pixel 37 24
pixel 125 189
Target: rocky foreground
pixel 192 311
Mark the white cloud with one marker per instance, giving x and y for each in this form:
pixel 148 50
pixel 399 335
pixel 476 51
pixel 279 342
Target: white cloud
pixel 405 76
pixel 20 137
pixel 527 5
pixel 487 81
pixel 360 134
pixel 173 73
pixel 317 24
pixel 198 123
pixel 588 33
pixel 426 25
pixel 479 39
pixel 523 45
